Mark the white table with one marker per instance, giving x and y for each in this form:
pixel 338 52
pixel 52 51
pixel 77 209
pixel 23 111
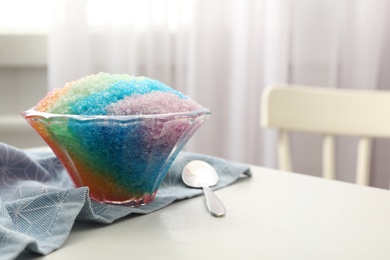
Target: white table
pixel 273 215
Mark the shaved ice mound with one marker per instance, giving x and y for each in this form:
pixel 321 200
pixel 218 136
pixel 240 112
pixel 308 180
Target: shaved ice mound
pixel 92 94
pixel 117 134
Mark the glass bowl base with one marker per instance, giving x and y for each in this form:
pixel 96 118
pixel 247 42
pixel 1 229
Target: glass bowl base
pixel 133 202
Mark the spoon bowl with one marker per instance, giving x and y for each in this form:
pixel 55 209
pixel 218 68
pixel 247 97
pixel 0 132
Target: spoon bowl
pixel 199 174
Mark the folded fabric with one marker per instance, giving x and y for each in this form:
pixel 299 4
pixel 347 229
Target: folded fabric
pixel 39 203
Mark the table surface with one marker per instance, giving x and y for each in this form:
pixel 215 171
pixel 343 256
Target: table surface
pixel 272 215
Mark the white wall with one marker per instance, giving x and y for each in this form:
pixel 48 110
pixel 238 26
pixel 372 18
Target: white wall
pixel 23 82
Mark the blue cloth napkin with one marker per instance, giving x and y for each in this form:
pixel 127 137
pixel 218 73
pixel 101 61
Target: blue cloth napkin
pixel 39 203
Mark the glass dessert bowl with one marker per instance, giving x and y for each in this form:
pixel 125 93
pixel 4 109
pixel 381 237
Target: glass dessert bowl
pixel 122 159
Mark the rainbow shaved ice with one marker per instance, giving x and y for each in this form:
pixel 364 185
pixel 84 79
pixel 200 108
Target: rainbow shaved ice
pixel 117 134
pixel 93 94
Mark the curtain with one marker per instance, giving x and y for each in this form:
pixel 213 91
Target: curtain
pixel 223 53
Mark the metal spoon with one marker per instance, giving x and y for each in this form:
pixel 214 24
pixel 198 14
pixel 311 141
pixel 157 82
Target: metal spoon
pixel 199 174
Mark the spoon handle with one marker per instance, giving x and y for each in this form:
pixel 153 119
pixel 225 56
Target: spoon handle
pixel 214 205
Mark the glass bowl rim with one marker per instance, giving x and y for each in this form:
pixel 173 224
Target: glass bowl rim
pixel 196 112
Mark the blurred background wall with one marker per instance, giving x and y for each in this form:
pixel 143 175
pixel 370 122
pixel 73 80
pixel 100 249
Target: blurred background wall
pixel 220 52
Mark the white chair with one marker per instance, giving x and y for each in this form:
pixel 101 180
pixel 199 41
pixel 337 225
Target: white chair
pixel 331 112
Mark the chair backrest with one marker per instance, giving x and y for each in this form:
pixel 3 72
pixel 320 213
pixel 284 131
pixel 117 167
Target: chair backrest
pixel 331 112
